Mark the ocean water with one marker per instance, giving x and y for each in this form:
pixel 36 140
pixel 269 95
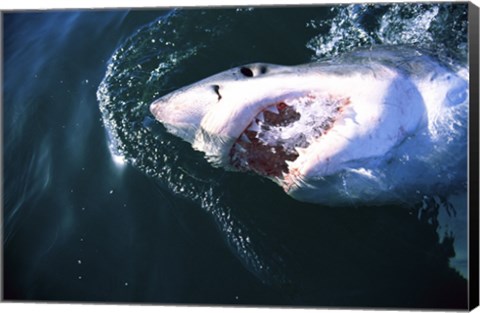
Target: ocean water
pixel 101 204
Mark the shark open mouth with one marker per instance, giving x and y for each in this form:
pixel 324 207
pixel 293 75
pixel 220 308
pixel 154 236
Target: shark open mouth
pixel 278 134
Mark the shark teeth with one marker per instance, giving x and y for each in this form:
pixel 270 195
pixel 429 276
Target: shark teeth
pixel 272 109
pixel 260 117
pixel 272 143
pixel 300 150
pixel 240 149
pixel 254 127
pixel 245 138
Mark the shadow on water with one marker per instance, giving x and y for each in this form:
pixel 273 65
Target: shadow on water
pixel 166 227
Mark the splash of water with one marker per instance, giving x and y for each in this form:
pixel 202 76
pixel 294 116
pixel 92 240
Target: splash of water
pixel 421 25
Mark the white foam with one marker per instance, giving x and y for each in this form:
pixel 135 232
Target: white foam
pixel 316 115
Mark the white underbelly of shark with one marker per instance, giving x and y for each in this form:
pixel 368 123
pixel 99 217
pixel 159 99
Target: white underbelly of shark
pixel 377 126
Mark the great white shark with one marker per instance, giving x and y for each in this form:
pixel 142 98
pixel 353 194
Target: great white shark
pixel 375 126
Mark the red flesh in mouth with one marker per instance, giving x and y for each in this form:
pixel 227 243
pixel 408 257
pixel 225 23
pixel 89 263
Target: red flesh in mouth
pixel 251 153
pixel 258 157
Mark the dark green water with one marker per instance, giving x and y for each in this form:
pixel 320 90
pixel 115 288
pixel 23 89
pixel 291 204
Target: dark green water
pixel 158 224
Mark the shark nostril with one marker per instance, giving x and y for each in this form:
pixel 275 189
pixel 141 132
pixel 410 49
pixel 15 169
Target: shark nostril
pixel 216 88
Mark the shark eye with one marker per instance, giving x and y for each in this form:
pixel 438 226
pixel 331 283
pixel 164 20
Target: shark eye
pixel 246 72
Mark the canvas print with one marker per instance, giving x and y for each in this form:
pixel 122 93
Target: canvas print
pixel 305 156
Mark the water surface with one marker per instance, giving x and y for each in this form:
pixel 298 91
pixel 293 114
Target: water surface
pixel 101 204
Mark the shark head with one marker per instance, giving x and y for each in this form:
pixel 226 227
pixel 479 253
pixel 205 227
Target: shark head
pixel 313 129
pixel 223 114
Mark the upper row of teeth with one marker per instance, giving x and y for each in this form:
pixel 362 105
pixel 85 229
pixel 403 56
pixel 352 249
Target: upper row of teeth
pixel 255 127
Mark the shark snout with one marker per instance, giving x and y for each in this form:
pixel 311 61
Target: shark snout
pixel 156 108
pixel 182 111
